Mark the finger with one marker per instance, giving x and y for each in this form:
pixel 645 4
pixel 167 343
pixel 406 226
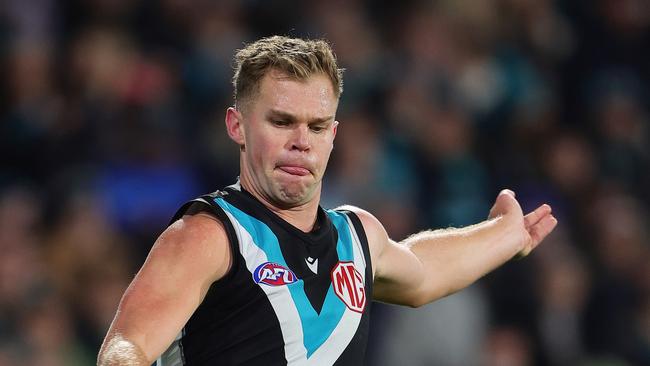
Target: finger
pixel 507 191
pixel 539 213
pixel 541 229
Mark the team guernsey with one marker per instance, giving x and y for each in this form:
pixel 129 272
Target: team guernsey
pixel 289 298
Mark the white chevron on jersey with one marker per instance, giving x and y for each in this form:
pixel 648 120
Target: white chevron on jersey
pixel 287 312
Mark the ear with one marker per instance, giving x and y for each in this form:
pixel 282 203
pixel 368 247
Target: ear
pixel 234 125
pixel 336 127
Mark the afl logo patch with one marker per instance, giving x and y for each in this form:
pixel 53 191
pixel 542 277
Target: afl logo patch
pixel 348 286
pixel 273 274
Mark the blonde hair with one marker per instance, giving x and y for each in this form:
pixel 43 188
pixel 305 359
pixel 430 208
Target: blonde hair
pixel 295 57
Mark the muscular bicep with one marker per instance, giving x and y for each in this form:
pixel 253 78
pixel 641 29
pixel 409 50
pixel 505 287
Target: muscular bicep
pixel 398 273
pixel 185 260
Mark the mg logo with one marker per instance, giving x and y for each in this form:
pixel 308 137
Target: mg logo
pixel 348 286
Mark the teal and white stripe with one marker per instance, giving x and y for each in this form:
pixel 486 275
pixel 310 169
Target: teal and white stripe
pixel 310 338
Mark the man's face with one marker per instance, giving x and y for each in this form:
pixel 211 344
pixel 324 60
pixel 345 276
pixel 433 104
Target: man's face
pixel 288 134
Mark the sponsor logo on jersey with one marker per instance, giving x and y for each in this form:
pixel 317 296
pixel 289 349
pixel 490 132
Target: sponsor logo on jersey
pixel 348 286
pixel 273 274
pixel 312 263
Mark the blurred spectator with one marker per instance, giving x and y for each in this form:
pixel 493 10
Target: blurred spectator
pixel 621 247
pixel 507 346
pixel 447 332
pixel 563 285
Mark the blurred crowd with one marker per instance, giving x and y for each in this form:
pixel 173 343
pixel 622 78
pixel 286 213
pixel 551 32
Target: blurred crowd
pixel 111 116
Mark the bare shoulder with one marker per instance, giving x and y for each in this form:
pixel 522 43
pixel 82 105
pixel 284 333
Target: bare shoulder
pixel 375 231
pixel 198 228
pixel 369 221
pixel 199 240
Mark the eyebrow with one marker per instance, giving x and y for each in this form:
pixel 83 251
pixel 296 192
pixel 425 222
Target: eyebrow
pixel 291 118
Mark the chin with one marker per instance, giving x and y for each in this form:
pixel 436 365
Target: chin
pixel 293 196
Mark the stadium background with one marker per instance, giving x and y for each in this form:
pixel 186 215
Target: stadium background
pixel 111 116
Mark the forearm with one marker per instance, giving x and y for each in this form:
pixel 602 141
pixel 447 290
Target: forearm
pixel 119 351
pixel 453 259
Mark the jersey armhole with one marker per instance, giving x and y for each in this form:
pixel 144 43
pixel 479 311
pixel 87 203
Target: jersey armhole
pixel 203 205
pixel 361 233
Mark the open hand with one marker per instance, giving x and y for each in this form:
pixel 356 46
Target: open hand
pixel 532 228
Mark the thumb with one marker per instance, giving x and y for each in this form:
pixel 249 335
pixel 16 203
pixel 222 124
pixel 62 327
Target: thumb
pixel 504 203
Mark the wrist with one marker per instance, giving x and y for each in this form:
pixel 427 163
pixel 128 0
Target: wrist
pixel 515 234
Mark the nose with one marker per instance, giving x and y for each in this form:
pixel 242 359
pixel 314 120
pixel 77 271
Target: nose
pixel 300 139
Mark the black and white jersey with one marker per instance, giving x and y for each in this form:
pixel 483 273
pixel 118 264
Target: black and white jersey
pixel 290 298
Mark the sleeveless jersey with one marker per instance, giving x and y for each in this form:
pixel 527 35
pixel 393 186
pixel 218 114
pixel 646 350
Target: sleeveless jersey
pixel 289 298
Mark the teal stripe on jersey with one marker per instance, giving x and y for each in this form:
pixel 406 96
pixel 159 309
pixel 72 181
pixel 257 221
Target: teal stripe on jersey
pixel 316 328
pixel 344 244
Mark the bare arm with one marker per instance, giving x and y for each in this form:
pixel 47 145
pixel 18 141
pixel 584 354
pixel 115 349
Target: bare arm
pixel 185 260
pixel 434 264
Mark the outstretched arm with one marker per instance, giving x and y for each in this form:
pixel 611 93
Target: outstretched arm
pixel 190 255
pixel 434 264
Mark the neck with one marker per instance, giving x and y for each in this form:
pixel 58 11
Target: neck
pixel 302 216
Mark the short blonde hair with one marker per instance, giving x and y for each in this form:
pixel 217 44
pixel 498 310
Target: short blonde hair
pixel 297 58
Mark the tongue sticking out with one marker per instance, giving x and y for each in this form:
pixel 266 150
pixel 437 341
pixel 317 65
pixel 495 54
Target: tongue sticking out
pixel 294 170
